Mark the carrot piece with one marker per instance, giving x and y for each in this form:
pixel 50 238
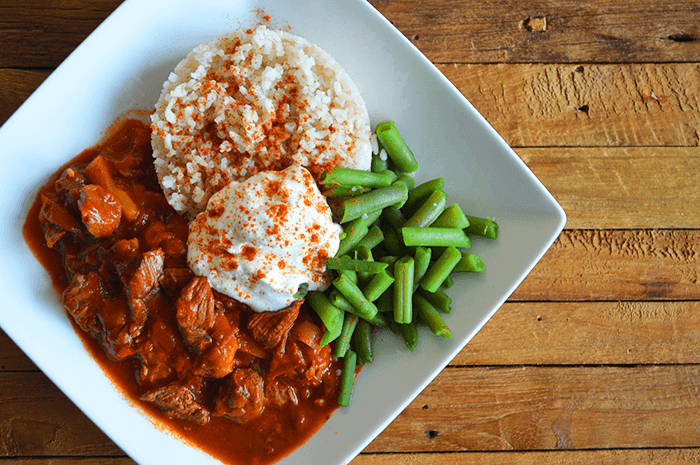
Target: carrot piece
pixel 97 171
pixel 54 213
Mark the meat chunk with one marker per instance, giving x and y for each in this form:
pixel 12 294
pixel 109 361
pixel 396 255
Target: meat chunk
pixel 196 313
pixel 270 328
pixel 52 234
pixel 180 400
pixel 100 210
pixel 162 352
pixel 140 278
pixel 243 399
pixel 68 188
pixel 206 329
pixel 82 299
pixel 175 279
pixel 218 359
pixel 102 318
pixel 280 392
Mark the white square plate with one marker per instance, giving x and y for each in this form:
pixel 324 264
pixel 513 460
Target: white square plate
pixel 122 65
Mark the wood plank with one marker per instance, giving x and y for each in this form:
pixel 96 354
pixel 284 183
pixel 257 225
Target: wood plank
pixel 553 333
pixel 536 408
pixel 15 87
pixel 580 333
pixel 37 419
pixel 585 105
pixel 42 33
pixel 11 357
pixel 476 409
pixel 599 457
pixel 614 188
pixel 616 265
pixel 561 31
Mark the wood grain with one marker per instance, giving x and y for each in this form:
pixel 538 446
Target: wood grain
pixel 587 333
pixel 15 87
pixel 585 105
pixel 37 419
pixel 562 31
pixel 599 457
pixel 549 408
pixel 627 265
pixel 615 188
pixel 43 33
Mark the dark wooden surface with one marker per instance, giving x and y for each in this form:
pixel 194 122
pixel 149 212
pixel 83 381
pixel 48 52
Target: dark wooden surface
pixel 594 358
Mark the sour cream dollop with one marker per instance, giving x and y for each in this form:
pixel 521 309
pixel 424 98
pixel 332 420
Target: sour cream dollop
pixel 260 239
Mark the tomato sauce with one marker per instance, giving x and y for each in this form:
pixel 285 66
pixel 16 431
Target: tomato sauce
pixel 122 340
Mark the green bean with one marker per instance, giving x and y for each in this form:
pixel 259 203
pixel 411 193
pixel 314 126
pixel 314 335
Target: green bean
pixel 452 217
pixel 393 217
pixel 378 285
pixel 357 299
pixel 440 237
pixel 441 269
pixel 362 342
pixel 429 314
pixel 439 299
pixel 331 316
pixel 342 344
pixel 347 378
pixel 373 238
pixel 484 227
pixel 447 283
pixel 337 190
pixel 355 231
pixel 409 332
pixel 353 177
pixel 351 274
pixel 378 199
pixel 421 192
pixel 422 262
pixel 371 217
pixel 470 263
pixel 403 289
pixel 380 161
pixel 385 302
pixel 370 267
pixel 408 180
pixel 428 212
pixel 392 242
pixel 359 266
pixel 392 175
pixel 379 320
pixel 396 147
pixel 337 299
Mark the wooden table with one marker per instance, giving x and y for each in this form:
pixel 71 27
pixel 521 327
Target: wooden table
pixel 596 356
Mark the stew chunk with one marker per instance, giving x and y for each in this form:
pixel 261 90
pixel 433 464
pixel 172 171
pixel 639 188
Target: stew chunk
pixel 244 397
pixel 100 210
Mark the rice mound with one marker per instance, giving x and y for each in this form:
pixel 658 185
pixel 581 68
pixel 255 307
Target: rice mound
pixel 251 101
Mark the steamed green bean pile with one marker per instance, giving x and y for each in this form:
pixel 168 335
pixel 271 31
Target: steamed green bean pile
pixel 400 246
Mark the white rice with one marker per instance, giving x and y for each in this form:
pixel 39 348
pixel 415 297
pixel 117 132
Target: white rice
pixel 250 101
